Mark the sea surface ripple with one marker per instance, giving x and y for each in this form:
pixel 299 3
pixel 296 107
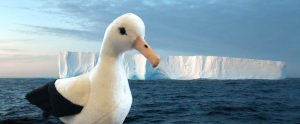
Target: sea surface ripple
pixel 177 101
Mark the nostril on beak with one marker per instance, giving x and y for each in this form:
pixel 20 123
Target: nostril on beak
pixel 146 46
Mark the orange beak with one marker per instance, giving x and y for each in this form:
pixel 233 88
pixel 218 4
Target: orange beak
pixel 142 46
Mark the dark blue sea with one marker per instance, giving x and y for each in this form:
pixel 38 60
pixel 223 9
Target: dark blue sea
pixel 178 102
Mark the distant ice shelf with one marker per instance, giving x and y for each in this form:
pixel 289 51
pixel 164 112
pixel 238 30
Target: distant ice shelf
pixel 177 67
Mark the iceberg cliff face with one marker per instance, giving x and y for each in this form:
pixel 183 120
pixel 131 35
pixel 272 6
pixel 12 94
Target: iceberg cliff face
pixel 213 67
pixel 134 66
pixel 75 63
pixel 177 67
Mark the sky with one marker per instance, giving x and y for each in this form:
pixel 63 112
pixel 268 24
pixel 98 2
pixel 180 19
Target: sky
pixel 33 32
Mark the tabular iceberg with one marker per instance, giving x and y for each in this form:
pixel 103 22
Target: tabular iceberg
pixel 177 67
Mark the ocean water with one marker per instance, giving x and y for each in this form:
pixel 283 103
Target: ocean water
pixel 178 102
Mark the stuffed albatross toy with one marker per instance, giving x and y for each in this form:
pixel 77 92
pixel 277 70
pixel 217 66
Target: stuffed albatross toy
pixel 103 94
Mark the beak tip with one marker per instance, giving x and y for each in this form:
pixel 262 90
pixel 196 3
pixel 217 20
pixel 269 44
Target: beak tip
pixel 155 65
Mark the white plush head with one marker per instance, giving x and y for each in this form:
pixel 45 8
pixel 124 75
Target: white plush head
pixel 124 30
pixel 124 33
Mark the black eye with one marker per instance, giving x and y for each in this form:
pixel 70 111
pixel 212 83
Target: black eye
pixel 122 31
pixel 146 46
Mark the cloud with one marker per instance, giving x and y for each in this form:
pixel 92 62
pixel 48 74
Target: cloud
pixel 82 34
pixel 14 40
pixel 9 50
pixel 20 57
pixel 212 27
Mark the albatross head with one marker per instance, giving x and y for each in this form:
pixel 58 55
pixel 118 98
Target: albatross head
pixel 127 32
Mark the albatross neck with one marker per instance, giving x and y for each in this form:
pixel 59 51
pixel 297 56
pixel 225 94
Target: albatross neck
pixel 109 54
pixel 109 68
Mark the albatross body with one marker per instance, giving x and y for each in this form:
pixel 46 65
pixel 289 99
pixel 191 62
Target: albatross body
pixel 101 96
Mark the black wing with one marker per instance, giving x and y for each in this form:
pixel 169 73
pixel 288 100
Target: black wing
pixel 52 102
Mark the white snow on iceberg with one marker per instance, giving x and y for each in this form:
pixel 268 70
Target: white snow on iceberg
pixel 177 67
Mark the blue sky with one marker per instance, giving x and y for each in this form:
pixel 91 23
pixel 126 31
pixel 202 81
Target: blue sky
pixel 33 32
